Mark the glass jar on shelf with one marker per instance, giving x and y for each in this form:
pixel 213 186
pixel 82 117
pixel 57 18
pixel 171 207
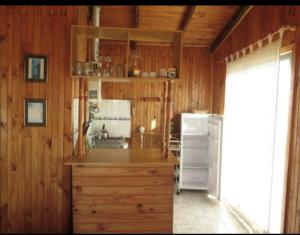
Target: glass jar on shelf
pixel 87 68
pixel 100 66
pixel 78 69
pixel 135 66
pixel 106 72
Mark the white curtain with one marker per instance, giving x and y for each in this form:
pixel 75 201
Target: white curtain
pixel 249 130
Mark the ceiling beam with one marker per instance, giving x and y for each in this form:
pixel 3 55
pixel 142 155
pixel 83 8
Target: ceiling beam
pixel 187 18
pixel 137 16
pixel 230 26
pixel 136 23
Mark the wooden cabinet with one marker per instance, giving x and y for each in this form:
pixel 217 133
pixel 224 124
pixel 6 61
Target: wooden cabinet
pixel 123 191
pixel 81 34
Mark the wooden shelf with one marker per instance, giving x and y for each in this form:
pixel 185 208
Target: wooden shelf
pixel 80 34
pixel 126 79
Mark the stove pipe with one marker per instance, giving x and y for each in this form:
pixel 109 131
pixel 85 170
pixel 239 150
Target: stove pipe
pixel 95 22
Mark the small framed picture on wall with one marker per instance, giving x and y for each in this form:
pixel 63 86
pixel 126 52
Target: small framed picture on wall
pixel 36 68
pixel 35 112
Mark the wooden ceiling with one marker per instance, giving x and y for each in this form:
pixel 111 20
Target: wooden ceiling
pixel 202 24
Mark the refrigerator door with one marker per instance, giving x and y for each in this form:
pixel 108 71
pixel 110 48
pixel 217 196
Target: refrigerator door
pixel 194 124
pixel 215 146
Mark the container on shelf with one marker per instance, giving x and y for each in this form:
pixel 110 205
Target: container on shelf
pixel 171 73
pixel 87 68
pixel 135 68
pixel 94 68
pixel 145 75
pixel 78 68
pixel 162 72
pixel 107 63
pixel 152 74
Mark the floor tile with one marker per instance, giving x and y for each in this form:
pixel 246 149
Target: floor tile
pixel 195 212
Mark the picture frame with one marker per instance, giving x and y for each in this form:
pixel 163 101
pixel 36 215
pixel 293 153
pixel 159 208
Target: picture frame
pixel 36 68
pixel 35 112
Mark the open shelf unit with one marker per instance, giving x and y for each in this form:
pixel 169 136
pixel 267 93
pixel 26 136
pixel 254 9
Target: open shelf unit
pixel 80 34
pixel 81 43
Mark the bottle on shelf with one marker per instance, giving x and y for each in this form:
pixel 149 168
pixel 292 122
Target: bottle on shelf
pixel 135 68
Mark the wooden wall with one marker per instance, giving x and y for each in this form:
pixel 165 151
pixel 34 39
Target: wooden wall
pixel 33 179
pixel 193 92
pixel 258 23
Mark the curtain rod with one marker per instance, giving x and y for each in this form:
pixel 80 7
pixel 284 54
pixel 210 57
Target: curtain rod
pixel 270 36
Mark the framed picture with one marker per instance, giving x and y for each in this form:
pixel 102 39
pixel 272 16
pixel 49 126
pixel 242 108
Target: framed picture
pixel 35 112
pixel 36 68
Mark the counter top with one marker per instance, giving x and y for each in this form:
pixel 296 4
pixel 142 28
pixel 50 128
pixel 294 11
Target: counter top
pixel 124 157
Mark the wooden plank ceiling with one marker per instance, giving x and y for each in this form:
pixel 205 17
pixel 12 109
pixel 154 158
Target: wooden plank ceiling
pixel 202 24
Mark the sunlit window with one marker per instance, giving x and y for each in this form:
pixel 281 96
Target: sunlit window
pixel 254 137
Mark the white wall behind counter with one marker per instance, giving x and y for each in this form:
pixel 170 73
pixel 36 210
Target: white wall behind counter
pixel 120 110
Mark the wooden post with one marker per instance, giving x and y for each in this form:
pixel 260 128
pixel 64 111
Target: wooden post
pixel 81 149
pixel 165 96
pixel 168 121
pixel 85 101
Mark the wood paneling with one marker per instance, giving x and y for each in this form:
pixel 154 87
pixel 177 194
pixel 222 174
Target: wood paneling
pixel 260 21
pixel 124 199
pixel 207 23
pixel 193 92
pixel 117 16
pixel 161 17
pixel 33 181
pixel 125 203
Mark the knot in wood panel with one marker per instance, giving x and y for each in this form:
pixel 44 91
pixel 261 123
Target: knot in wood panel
pixel 2 124
pixel 14 73
pixel 49 143
pixel 13 167
pixel 78 188
pixel 153 171
pixel 2 37
pixel 4 75
pixel 9 100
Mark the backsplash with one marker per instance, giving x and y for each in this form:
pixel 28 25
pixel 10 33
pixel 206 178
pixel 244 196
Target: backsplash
pixel 115 115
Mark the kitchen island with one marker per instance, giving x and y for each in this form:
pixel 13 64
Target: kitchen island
pixel 123 191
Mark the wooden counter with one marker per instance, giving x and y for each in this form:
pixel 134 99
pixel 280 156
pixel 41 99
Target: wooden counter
pixel 123 191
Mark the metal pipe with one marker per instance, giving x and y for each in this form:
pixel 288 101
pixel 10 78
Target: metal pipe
pixel 95 22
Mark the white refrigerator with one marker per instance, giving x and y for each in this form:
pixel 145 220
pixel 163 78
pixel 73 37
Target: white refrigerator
pixel 200 161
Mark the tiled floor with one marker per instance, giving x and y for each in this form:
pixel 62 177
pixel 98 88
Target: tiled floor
pixel 195 212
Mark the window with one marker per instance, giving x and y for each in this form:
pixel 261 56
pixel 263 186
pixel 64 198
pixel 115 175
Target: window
pixel 255 133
